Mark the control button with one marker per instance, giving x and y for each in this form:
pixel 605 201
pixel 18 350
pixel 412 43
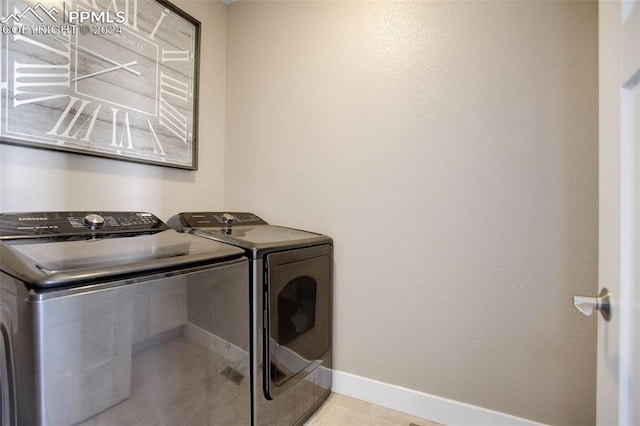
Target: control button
pixel 94 221
pixel 227 218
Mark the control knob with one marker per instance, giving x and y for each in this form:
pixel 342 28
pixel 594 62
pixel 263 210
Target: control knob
pixel 227 218
pixel 94 221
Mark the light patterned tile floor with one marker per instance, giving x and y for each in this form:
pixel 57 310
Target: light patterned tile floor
pixel 339 410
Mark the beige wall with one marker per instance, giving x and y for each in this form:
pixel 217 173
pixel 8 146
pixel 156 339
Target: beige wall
pixel 450 148
pixel 32 180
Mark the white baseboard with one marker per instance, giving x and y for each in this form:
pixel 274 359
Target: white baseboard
pixel 419 404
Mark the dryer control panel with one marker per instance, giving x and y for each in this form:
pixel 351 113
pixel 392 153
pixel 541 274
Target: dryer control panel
pixel 25 225
pixel 220 219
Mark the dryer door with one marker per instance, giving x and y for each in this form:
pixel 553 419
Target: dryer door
pixel 298 300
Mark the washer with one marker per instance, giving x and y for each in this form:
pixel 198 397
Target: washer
pixel 114 318
pixel 291 279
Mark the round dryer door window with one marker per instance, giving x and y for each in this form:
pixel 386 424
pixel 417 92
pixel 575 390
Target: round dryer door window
pixel 297 308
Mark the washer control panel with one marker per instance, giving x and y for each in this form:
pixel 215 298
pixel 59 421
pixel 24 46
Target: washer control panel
pixel 24 225
pixel 220 219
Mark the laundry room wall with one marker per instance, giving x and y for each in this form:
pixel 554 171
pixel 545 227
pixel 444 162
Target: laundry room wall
pixel 33 180
pixel 450 148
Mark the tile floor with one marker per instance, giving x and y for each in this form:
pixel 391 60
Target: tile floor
pixel 341 410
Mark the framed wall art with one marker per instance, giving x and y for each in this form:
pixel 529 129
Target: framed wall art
pixel 112 78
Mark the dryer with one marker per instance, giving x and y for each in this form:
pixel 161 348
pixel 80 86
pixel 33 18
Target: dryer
pixel 114 318
pixel 291 287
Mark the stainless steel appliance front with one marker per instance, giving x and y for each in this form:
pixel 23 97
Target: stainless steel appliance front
pixel 291 304
pixel 298 309
pixel 166 345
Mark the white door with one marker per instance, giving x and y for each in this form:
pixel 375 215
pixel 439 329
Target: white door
pixel 618 399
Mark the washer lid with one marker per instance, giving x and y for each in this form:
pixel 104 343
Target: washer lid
pixel 263 236
pixel 245 230
pixel 52 262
